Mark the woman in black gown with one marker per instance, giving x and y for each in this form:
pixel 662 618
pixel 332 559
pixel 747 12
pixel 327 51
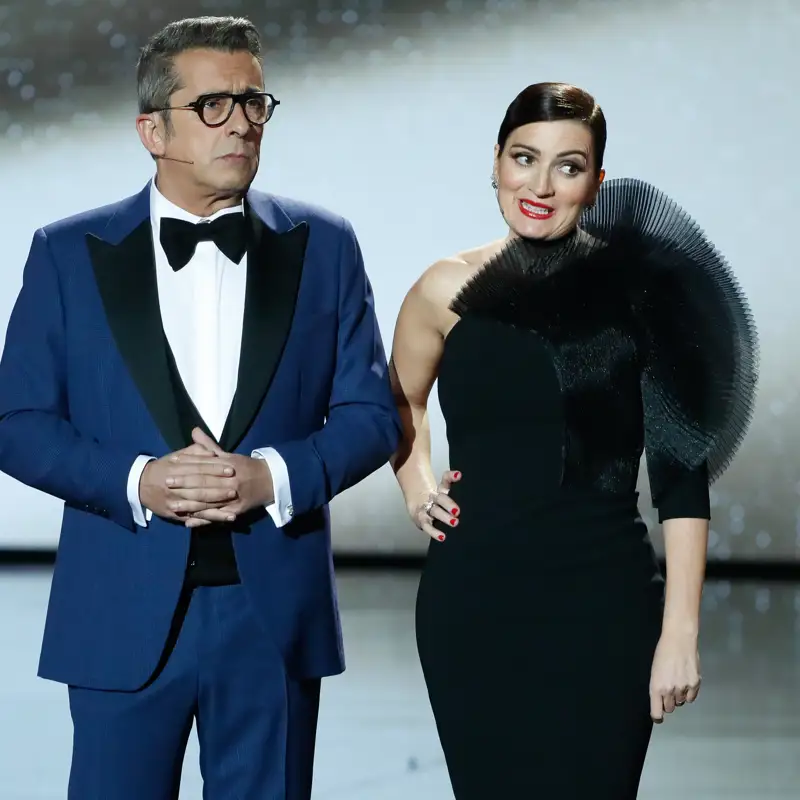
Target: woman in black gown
pixel 603 326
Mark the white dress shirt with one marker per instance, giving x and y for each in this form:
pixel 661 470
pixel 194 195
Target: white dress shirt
pixel 202 311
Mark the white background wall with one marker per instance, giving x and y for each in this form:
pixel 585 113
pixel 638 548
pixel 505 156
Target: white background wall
pixel 701 99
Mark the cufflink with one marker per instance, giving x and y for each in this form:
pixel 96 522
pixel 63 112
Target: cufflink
pixel 290 510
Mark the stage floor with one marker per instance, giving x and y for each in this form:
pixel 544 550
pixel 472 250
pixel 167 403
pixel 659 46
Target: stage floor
pixel 377 740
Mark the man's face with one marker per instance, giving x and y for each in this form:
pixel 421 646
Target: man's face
pixel 224 160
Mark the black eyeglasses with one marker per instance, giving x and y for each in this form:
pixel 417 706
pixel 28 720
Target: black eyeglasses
pixel 216 109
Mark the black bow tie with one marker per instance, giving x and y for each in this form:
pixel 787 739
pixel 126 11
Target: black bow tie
pixel 180 238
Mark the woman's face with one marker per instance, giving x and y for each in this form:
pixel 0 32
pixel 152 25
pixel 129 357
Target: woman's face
pixel 546 175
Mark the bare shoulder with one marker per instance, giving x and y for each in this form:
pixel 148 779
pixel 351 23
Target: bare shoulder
pixel 442 281
pixel 427 304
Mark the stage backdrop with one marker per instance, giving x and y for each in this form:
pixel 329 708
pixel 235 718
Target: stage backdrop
pixel 389 111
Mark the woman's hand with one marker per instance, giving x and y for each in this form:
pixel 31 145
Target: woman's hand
pixel 675 676
pixel 437 505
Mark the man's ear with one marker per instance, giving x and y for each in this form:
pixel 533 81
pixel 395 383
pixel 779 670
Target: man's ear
pixel 151 134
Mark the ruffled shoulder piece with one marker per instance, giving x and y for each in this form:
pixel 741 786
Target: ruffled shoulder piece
pixel 700 339
pixel 511 285
pixel 637 253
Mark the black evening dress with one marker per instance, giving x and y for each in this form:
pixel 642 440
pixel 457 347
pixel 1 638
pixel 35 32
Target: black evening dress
pixel 538 617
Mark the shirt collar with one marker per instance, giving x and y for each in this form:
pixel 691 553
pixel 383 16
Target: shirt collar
pixel 161 207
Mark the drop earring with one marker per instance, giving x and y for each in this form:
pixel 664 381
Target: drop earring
pixel 494 182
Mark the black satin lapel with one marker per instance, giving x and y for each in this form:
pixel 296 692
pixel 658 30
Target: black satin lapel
pixel 126 278
pixel 274 269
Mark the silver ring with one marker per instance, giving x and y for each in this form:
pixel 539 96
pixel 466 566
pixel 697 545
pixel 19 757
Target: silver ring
pixel 427 506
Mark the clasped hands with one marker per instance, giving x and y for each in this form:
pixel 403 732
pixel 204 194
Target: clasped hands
pixel 203 484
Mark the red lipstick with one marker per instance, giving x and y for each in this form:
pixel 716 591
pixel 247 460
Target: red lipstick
pixel 534 210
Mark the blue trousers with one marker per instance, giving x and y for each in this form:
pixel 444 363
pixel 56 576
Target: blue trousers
pixel 255 725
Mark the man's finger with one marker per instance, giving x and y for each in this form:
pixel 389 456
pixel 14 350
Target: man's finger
pixel 196 522
pixel 212 467
pixel 196 450
pixel 192 456
pixel 213 515
pixel 210 495
pixel 201 478
pixel 204 440
pixel 193 500
pixel 207 462
pixel 187 508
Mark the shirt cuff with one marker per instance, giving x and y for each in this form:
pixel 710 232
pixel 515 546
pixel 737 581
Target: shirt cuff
pixel 141 516
pixel 280 509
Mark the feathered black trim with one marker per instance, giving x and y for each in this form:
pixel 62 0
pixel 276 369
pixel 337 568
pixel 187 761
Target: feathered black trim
pixel 510 285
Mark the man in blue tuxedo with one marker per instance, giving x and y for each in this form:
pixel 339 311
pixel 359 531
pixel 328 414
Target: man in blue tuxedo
pixel 195 371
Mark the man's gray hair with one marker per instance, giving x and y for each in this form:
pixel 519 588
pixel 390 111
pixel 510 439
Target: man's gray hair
pixel 156 78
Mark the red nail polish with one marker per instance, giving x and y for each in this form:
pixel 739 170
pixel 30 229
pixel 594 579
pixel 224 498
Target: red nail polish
pixel 456 475
pixel 440 537
pixel 453 521
pixel 454 512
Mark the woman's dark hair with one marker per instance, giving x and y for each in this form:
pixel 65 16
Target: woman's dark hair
pixel 550 102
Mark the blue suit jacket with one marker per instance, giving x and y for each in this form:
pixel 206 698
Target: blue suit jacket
pixel 85 388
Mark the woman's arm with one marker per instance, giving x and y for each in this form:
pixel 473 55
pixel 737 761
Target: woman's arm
pixel 417 348
pixel 675 676
pixel 683 508
pixel 685 544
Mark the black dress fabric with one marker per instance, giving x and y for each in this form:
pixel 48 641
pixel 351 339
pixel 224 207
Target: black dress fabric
pixel 538 617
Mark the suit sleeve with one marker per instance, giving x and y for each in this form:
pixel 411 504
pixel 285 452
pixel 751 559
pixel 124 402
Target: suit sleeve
pixel 38 444
pixel 362 429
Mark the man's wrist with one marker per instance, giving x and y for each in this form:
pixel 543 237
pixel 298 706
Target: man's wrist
pixel 279 504
pixel 136 483
pixel 267 495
